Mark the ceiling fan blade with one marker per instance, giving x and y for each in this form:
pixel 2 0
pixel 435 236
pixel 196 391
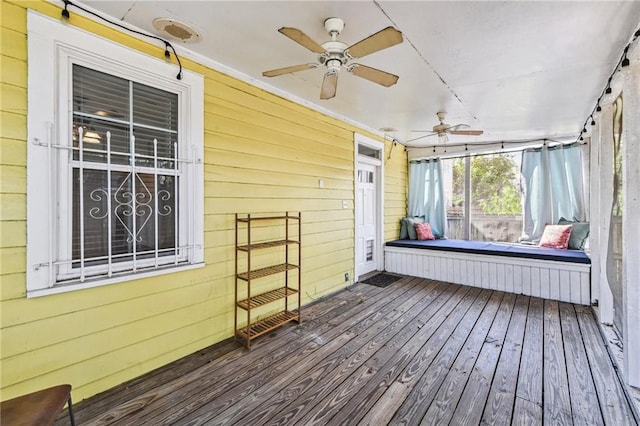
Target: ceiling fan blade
pixel 288 70
pixel 421 137
pixel 383 78
pixel 458 127
pixel 378 41
pixel 424 131
pixel 329 84
pixel 301 38
pixel 467 132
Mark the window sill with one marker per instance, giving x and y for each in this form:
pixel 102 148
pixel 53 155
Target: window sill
pixel 99 282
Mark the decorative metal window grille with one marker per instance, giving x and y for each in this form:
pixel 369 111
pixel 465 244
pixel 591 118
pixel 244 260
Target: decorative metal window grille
pixel 125 178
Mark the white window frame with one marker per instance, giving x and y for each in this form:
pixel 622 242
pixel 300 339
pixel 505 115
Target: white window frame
pixel 53 49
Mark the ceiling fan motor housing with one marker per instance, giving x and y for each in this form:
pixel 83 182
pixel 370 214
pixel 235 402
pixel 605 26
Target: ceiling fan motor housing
pixel 334 56
pixel 440 128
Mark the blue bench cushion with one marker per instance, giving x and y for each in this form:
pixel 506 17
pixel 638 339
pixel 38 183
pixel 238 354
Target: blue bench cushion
pixel 496 249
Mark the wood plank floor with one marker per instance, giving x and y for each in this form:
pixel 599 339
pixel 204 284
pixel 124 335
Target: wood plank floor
pixel 417 352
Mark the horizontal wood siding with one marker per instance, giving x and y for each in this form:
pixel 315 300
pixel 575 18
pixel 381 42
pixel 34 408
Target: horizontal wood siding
pixel 395 189
pixel 263 154
pixel 566 282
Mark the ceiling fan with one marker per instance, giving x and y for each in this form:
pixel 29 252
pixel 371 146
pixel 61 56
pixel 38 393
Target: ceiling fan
pixel 335 55
pixel 443 129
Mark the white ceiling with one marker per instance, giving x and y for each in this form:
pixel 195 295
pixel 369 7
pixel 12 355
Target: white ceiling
pixel 518 70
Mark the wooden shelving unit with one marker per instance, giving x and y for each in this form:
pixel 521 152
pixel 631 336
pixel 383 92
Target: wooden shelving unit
pixel 255 328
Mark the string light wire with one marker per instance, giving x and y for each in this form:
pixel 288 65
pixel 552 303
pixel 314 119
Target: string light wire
pixel 167 45
pixel 622 62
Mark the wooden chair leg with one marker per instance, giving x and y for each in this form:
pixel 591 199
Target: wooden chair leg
pixel 71 417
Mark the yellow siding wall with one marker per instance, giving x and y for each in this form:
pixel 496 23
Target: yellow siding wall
pixel 262 154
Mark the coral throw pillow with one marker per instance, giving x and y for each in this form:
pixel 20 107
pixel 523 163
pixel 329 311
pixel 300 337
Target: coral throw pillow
pixel 424 231
pixel 556 236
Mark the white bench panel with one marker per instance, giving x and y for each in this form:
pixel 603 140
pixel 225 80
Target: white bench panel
pixel 549 279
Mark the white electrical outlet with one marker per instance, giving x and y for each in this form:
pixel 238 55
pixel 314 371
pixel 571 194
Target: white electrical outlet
pixel 345 204
pixel 320 183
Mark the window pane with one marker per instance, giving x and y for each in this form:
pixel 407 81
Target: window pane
pixel 453 172
pixel 101 94
pixel 496 202
pixel 126 228
pixel 368 151
pixel 102 103
pixel 144 147
pixel 369 251
pixel 95 138
pixel 155 107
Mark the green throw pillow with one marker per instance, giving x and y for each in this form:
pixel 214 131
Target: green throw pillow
pixel 411 226
pixel 579 233
pixel 404 232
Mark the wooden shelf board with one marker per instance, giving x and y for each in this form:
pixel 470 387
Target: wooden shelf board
pixel 267 324
pixel 267 244
pixel 251 219
pixel 268 297
pixel 264 272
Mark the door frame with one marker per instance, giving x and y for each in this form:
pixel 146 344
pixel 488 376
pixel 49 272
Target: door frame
pixel 360 139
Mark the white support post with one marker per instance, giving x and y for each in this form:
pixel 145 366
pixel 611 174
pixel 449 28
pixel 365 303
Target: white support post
pixel 595 249
pixel 467 198
pixel 604 176
pixel 585 150
pixel 631 222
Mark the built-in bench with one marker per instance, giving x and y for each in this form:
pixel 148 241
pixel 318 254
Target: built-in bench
pixel 534 271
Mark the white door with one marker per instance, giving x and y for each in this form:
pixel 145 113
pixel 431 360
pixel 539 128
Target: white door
pixel 366 219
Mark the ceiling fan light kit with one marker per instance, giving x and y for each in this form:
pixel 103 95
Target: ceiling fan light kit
pixel 335 55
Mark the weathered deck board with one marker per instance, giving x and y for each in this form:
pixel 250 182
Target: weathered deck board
pixel 500 402
pixel 581 388
pixel 223 391
pixel 397 392
pixel 557 406
pixel 419 351
pixel 331 398
pixel 228 350
pixel 472 400
pixel 528 405
pixel 358 406
pixel 417 402
pixel 608 388
pixel 443 405
pixel 373 336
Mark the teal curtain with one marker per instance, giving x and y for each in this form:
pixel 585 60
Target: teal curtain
pixel 426 194
pixel 552 187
